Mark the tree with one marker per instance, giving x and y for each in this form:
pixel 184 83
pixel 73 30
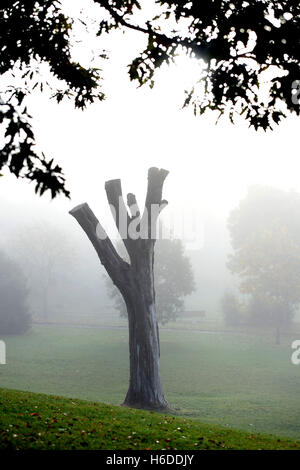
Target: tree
pixel 42 251
pixel 248 50
pixel 135 280
pixel 265 237
pixel 14 316
pixel 260 311
pixel 173 278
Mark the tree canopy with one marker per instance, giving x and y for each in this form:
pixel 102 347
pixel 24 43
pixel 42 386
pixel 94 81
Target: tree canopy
pixel 249 51
pixel 32 33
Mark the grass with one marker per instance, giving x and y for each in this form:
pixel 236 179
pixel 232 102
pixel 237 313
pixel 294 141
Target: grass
pixel 237 381
pixel 183 322
pixel 36 421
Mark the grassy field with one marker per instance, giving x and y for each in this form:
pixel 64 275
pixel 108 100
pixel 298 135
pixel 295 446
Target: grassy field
pixel 113 318
pixel 34 421
pixel 234 380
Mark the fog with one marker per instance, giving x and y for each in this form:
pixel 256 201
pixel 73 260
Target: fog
pixel 211 168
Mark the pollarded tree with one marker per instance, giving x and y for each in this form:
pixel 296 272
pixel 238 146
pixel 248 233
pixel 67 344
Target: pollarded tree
pixel 265 237
pixel 241 44
pixel 174 280
pixel 135 280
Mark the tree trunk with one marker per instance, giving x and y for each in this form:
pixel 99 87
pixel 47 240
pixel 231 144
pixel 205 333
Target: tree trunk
pixel 135 281
pixel 145 389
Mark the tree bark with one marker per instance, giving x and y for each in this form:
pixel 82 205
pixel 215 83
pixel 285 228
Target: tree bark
pixel 135 281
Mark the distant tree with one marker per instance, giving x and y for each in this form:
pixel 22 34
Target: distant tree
pixel 173 277
pixel 14 315
pixel 231 309
pixel 241 44
pixel 261 310
pixel 265 237
pixel 42 250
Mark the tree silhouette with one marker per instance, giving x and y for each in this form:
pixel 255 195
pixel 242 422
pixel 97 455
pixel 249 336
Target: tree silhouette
pixel 241 44
pixel 32 33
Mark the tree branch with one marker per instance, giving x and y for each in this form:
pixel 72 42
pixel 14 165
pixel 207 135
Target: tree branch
pixel 154 203
pixel 162 38
pixel 118 208
pixel 116 267
pixel 156 178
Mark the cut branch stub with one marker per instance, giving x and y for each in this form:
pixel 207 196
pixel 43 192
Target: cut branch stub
pixel 133 228
pixel 154 203
pixel 133 205
pixel 119 211
pixel 156 178
pixel 117 205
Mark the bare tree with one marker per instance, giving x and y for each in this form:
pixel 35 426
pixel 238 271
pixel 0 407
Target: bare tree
pixel 135 280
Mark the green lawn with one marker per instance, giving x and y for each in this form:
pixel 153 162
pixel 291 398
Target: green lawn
pixel 34 421
pixel 233 380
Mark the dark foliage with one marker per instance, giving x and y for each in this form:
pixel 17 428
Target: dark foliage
pixel 241 43
pixel 31 33
pixel 249 52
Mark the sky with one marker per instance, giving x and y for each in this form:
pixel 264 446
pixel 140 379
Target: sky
pixel 211 166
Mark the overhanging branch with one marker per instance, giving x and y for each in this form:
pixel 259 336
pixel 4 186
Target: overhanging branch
pixel 160 37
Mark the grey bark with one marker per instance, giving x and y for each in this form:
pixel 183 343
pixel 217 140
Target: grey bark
pixel 135 280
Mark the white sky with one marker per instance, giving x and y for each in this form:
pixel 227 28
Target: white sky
pixel 210 166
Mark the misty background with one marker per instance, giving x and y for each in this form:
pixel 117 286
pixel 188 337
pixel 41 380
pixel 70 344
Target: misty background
pixel 211 166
